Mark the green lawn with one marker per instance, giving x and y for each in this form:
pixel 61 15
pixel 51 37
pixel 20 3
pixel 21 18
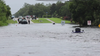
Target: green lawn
pixel 41 20
pixel 11 21
pixel 58 20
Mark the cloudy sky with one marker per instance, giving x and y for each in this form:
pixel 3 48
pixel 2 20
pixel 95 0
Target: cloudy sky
pixel 17 4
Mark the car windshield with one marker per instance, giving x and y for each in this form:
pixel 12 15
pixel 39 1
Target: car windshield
pixel 20 17
pixel 24 20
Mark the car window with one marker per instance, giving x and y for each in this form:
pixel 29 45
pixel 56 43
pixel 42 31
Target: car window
pixel 20 19
pixel 24 20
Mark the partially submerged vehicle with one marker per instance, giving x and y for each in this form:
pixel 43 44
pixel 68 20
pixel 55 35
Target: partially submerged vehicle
pixel 24 21
pixel 12 17
pixel 20 19
pixel 78 30
pixel 53 23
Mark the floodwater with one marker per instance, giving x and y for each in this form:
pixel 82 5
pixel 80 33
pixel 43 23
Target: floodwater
pixel 48 40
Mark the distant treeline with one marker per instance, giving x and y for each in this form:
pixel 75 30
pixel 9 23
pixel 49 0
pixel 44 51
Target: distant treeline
pixel 80 11
pixel 4 13
pixel 58 9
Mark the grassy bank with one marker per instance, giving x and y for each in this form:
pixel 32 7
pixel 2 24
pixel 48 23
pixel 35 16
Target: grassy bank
pixel 7 22
pixel 11 21
pixel 58 20
pixel 41 20
pixel 3 23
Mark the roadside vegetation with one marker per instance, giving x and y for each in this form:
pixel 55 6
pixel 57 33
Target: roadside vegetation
pixel 58 20
pixel 57 10
pixel 82 11
pixel 44 20
pixel 41 20
pixel 78 11
pixel 4 13
pixel 11 21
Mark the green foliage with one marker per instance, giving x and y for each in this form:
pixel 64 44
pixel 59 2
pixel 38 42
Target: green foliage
pixel 46 16
pixel 38 9
pixel 3 24
pixel 96 22
pixel 61 17
pixel 58 20
pixel 11 21
pixel 84 10
pixel 78 10
pixel 8 13
pixel 4 13
pixel 41 20
pixel 58 9
pixel 52 8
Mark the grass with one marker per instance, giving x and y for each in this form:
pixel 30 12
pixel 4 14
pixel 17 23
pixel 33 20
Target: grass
pixel 11 21
pixel 66 21
pixel 7 22
pixel 58 20
pixel 41 20
pixel 3 24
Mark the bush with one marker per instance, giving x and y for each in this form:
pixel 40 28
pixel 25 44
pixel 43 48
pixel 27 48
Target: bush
pixel 3 24
pixel 4 13
pixel 46 16
pixel 96 22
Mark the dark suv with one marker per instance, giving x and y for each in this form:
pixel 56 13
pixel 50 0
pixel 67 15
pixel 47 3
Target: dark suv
pixel 20 19
pixel 24 21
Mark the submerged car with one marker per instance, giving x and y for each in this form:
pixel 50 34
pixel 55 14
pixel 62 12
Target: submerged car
pixel 78 30
pixel 20 19
pixel 12 17
pixel 24 21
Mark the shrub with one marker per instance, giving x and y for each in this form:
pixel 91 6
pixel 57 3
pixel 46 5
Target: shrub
pixel 46 16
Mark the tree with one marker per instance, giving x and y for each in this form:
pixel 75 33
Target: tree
pixel 38 9
pixel 52 8
pixel 4 12
pixel 84 10
pixel 8 11
pixel 64 10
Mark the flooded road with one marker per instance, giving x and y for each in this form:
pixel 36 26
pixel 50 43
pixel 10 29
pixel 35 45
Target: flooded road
pixel 48 40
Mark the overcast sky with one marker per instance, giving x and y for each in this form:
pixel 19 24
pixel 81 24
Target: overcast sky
pixel 15 5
